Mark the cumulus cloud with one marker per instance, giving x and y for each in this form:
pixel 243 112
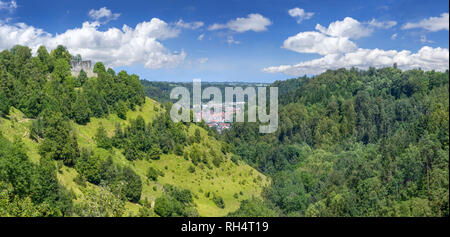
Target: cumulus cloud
pixel 426 58
pixel 189 25
pixel 254 22
pixel 230 40
pixel 430 24
pixel 300 14
pixel 349 28
pixel 9 6
pixel 103 15
pixel 394 36
pixel 382 24
pixel 114 47
pixel 315 42
pixel 338 51
pixel 202 60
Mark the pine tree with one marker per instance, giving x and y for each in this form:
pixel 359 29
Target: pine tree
pixel 82 77
pixel 4 104
pixel 81 110
pixel 121 110
pixel 102 139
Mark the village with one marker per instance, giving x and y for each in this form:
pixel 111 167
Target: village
pixel 218 119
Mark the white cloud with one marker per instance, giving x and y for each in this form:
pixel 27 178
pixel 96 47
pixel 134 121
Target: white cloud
pixel 423 39
pixel 338 51
pixel 352 28
pixel 349 28
pixel 253 22
pixel 382 24
pixel 189 25
pixel 394 36
pixel 202 60
pixel 315 42
pixel 300 14
pixel 200 37
pixel 230 40
pixel 114 47
pixel 9 6
pixel 430 24
pixel 426 58
pixel 103 15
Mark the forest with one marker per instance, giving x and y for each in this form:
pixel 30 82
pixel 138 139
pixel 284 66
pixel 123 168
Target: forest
pixel 80 146
pixel 350 142
pixel 353 143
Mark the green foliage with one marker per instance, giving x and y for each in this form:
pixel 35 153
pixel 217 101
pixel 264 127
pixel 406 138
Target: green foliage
pixel 81 110
pixel 253 208
pixel 89 166
pixel 218 200
pixel 355 143
pixel 153 173
pixel 175 202
pixel 191 169
pixel 102 138
pixel 197 136
pixel 82 77
pixel 59 141
pixel 61 71
pixel 24 80
pixel 4 104
pixel 100 203
pixel 141 141
pixel 195 155
pixel 99 68
pixel 155 152
pixel 31 189
pixel 122 182
pixel 61 53
pixel 133 188
pixel 121 110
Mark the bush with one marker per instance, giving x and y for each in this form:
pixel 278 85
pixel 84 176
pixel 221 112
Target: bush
pixel 133 187
pixel 217 160
pixel 218 200
pixel 80 180
pixel 153 173
pixel 167 207
pixel 102 139
pixel 121 109
pixel 155 152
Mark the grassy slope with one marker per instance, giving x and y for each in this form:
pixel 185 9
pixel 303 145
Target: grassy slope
pixel 226 181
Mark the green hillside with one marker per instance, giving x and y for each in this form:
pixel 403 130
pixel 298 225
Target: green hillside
pixel 80 146
pixel 226 181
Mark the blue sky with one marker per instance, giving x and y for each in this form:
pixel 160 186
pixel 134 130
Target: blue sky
pixel 234 40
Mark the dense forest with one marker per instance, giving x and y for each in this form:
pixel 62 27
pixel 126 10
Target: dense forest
pixel 353 143
pixel 350 143
pixel 44 90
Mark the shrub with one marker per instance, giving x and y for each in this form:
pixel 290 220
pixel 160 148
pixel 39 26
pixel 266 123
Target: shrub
pixel 218 200
pixel 153 173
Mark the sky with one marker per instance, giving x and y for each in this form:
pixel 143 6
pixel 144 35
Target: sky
pixel 245 41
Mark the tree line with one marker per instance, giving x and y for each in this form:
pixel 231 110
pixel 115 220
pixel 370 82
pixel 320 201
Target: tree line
pixel 354 143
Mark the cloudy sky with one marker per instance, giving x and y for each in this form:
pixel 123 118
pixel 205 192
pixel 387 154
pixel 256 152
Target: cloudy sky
pixel 234 40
